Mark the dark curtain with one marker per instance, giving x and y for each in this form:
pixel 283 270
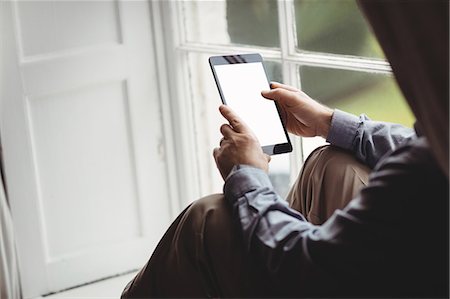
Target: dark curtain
pixel 9 270
pixel 414 35
pixel 2 170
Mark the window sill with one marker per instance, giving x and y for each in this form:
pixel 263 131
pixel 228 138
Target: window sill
pixel 107 288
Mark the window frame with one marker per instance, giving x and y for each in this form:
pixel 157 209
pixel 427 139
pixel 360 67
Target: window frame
pixel 178 114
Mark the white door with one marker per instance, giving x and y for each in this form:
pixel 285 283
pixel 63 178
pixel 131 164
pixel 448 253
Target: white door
pixel 82 138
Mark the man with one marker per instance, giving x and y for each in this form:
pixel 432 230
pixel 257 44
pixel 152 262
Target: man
pixel 390 240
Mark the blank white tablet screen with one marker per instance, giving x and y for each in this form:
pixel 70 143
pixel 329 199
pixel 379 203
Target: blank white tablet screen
pixel 241 85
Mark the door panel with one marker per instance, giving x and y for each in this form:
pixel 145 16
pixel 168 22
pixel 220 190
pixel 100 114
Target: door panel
pixel 80 69
pixel 82 137
pixel 47 27
pixel 85 168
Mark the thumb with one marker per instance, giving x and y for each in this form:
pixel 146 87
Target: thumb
pixel 283 96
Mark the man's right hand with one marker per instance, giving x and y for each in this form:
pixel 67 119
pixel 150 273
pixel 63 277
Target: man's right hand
pixel 302 115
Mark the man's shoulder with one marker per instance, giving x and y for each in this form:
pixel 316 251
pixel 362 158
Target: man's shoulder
pixel 410 170
pixel 413 155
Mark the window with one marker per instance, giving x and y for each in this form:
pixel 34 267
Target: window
pixel 324 47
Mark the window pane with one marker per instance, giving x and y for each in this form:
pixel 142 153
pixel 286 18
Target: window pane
pixel 335 27
pixel 206 100
pixel 357 92
pixel 246 22
pixel 279 173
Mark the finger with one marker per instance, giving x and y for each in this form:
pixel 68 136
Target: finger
pixel 216 152
pixel 283 96
pixel 226 131
pixel 274 85
pixel 234 120
pixel 269 158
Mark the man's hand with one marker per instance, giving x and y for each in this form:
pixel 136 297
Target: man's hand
pixel 302 115
pixel 238 146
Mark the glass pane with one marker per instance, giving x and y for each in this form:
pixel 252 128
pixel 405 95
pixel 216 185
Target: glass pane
pixel 279 173
pixel 357 92
pixel 309 144
pixel 206 100
pixel 333 26
pixel 246 22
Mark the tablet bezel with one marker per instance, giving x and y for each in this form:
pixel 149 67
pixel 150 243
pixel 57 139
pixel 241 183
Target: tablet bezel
pixel 273 149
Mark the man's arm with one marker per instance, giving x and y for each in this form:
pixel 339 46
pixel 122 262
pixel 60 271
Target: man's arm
pixel 303 116
pixel 368 140
pixel 274 234
pixel 291 249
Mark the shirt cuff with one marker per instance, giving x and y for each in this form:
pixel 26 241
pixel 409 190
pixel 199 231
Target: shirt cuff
pixel 243 179
pixel 343 129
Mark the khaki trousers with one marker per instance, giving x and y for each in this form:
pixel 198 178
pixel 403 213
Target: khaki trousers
pixel 202 253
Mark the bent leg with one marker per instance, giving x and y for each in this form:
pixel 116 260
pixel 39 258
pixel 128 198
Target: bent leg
pixel 200 255
pixel 329 179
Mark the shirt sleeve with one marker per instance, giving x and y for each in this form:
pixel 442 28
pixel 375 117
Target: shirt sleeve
pixel 368 140
pixel 274 234
pixel 249 189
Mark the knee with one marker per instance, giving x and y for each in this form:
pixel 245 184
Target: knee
pixel 208 224
pixel 212 211
pixel 212 201
pixel 332 160
pixel 211 204
pixel 329 179
pixel 331 170
pixel 327 153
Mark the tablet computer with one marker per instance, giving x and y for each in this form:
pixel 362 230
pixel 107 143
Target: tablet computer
pixel 240 80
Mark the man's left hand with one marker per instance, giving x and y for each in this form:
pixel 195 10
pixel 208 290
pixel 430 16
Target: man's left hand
pixel 239 146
